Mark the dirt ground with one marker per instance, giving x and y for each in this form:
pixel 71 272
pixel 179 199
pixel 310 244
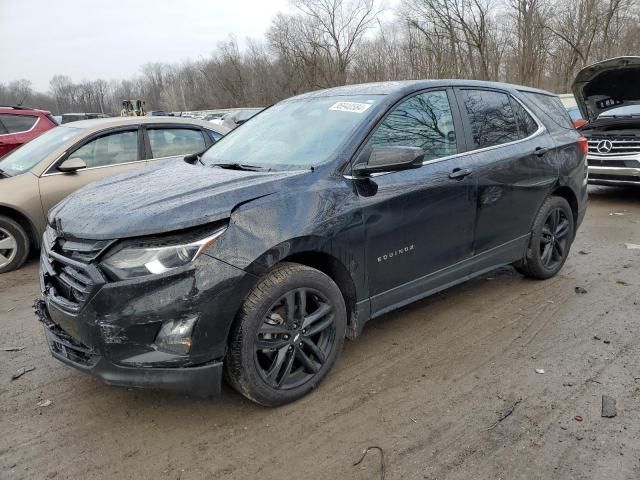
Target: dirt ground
pixel 429 385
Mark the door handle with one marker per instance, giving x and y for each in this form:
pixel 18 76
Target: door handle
pixel 460 173
pixel 540 151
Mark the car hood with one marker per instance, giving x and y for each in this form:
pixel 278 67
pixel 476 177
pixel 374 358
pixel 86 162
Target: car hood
pixel 160 199
pixel 608 84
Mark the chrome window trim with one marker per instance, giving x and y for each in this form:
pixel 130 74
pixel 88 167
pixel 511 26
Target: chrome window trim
pixel 47 174
pixel 541 129
pixel 22 131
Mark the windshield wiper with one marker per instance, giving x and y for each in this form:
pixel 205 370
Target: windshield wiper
pixel 240 166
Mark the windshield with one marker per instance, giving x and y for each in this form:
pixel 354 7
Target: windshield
pixel 626 111
pixel 294 134
pixel 30 154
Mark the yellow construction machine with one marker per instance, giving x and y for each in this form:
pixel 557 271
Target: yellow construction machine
pixel 132 108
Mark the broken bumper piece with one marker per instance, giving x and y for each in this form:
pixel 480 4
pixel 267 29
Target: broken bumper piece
pixel 201 380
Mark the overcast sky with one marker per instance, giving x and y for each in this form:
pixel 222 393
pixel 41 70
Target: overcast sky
pixel 89 39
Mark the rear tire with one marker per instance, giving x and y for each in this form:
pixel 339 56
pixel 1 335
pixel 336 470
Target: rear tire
pixel 14 245
pixel 288 335
pixel 551 238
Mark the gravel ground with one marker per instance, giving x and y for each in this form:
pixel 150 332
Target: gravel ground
pixel 446 387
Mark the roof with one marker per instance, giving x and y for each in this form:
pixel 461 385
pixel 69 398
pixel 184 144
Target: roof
pixel 407 86
pixel 20 109
pixel 100 123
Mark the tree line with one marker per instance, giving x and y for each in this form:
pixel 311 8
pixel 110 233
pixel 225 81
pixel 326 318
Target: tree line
pixel 325 43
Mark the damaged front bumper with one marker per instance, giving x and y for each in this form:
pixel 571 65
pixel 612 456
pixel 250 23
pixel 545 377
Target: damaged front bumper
pixel 110 328
pixel 202 380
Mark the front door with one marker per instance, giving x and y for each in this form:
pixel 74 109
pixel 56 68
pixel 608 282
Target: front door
pixel 105 155
pixel 419 222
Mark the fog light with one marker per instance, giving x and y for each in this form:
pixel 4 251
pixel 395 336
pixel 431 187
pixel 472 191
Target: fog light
pixel 175 335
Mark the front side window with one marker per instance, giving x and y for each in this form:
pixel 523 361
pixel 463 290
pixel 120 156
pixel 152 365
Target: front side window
pixel 111 149
pixel 169 142
pixel 491 118
pixel 424 121
pixel 17 123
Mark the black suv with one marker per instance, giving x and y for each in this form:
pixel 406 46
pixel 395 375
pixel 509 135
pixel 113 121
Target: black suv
pixel 258 257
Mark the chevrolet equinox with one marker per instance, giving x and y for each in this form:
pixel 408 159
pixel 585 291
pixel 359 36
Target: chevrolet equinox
pixel 255 259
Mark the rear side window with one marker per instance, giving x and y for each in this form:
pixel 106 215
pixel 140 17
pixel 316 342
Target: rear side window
pixel 551 107
pixel 423 121
pixel 169 142
pixel 17 123
pixel 526 124
pixel 491 117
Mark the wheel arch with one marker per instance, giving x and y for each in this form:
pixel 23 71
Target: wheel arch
pixel 569 195
pixel 24 222
pixel 302 251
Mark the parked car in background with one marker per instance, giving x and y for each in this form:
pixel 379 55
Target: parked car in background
pixel 608 95
pixel 18 125
pixel 75 117
pixel 41 173
pixel 213 116
pixel 576 116
pixel 233 119
pixel 326 210
pixel 160 113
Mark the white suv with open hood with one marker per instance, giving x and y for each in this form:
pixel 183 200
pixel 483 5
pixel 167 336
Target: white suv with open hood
pixel 608 95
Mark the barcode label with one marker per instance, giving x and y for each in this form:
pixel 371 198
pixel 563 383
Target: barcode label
pixel 352 107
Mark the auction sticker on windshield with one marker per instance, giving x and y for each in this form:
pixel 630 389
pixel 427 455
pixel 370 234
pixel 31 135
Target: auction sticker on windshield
pixel 352 107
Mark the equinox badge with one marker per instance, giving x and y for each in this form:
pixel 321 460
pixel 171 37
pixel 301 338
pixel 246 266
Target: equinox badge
pixel 395 253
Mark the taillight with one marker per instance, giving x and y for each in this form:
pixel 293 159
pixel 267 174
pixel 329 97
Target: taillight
pixel 584 145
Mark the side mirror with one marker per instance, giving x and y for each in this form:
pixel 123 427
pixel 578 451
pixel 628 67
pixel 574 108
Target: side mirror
pixel 72 165
pixel 389 159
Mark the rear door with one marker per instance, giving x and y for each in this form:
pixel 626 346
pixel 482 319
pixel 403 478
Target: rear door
pixel 513 166
pixel 106 153
pixel 167 141
pixel 419 222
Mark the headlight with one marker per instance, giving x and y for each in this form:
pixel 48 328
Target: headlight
pixel 142 259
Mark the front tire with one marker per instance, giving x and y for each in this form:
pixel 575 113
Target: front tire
pixel 288 335
pixel 551 238
pixel 14 245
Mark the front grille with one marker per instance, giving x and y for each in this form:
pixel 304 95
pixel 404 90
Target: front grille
pixel 593 162
pixel 614 146
pixel 63 344
pixel 613 178
pixel 67 275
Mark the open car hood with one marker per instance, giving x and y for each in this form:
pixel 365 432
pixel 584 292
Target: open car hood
pixel 605 85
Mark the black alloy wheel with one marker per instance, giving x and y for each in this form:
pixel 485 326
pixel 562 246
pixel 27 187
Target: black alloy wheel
pixel 288 335
pixel 554 238
pixel 552 234
pixel 295 338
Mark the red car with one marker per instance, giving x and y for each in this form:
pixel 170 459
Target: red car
pixel 18 125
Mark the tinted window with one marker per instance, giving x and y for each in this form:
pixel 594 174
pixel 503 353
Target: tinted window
pixel 551 107
pixel 526 124
pixel 491 117
pixel 424 121
pixel 17 123
pixel 167 142
pixel 112 149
